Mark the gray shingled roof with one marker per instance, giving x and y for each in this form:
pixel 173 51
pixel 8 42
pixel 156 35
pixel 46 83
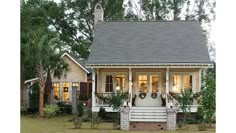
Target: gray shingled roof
pixel 148 43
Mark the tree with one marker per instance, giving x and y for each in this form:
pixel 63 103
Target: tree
pixel 207 100
pixel 56 67
pixel 40 45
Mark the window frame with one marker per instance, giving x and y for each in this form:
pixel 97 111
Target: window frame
pixel 104 74
pixel 59 93
pixel 148 80
pixel 182 74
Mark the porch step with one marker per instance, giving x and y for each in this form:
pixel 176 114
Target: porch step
pixel 148 114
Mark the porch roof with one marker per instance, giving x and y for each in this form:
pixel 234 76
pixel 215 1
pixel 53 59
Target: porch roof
pixel 161 42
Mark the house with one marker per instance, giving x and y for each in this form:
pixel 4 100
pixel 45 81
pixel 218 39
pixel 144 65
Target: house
pixel 147 59
pixel 75 82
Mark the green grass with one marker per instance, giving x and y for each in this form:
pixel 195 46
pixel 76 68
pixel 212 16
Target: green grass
pixel 61 124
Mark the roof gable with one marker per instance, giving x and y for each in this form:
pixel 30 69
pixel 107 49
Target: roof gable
pixel 148 42
pixel 80 64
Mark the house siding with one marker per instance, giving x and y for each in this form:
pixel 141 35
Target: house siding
pixel 75 73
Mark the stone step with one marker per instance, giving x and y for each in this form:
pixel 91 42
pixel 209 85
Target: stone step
pixel 148 117
pixel 148 111
pixel 148 108
pixel 147 120
pixel 148 114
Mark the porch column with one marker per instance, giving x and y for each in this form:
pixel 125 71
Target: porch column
pixel 130 87
pixel 167 85
pixel 93 88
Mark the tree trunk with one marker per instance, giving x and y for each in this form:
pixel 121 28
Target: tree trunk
pixel 22 84
pixel 48 87
pixel 41 83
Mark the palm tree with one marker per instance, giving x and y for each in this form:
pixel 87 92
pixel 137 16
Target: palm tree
pixel 56 67
pixel 40 45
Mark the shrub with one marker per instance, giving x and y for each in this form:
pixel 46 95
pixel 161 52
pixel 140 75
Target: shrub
pixel 202 127
pixel 95 121
pixel 77 122
pixel 64 108
pixel 50 110
pixel 207 99
pixel 80 109
pixel 102 113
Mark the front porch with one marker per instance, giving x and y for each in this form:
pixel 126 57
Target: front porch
pixel 147 87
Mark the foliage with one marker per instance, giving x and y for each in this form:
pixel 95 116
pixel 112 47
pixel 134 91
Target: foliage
pixel 117 100
pixel 77 122
pixel 185 102
pixel 102 113
pixel 105 99
pixel 95 121
pixel 202 127
pixel 34 98
pixel 80 109
pixel 83 97
pixel 64 108
pixel 207 100
pixel 142 95
pixel 50 110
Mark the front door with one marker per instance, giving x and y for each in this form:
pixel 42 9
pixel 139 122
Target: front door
pixel 148 90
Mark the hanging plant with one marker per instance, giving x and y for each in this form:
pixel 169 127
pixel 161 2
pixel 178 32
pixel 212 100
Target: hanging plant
pixel 154 95
pixel 142 95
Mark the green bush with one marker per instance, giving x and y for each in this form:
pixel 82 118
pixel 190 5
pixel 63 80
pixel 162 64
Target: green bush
pixel 80 109
pixel 102 113
pixel 50 110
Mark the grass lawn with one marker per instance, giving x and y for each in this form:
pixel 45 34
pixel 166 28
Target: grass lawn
pixel 60 124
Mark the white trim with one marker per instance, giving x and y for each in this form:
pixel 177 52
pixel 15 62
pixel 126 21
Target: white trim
pixel 182 83
pixel 151 65
pixel 113 73
pixel 93 89
pixel 130 87
pixel 200 80
pixel 146 66
pixel 75 62
pixel 30 80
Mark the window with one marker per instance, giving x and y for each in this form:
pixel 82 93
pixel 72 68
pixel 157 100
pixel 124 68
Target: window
pixel 56 88
pixel 109 83
pixel 181 81
pixel 142 83
pixel 114 82
pixel 154 83
pixel 65 91
pixel 120 83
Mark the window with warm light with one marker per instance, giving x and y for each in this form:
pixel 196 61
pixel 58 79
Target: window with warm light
pixel 120 83
pixel 181 81
pixel 65 91
pixel 142 83
pixel 154 83
pixel 56 92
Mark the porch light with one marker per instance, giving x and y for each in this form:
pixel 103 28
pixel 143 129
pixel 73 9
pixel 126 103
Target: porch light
pixel 117 88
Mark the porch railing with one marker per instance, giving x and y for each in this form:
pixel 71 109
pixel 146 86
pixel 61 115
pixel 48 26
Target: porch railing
pixel 103 99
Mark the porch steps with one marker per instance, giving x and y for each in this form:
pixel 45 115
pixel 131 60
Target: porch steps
pixel 148 114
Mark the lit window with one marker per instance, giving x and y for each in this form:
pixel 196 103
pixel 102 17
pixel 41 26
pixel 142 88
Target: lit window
pixel 181 81
pixel 154 83
pixel 65 91
pixel 142 83
pixel 120 82
pixel 56 92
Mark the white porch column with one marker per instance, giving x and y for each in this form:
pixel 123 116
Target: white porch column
pixel 93 88
pixel 167 85
pixel 130 86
